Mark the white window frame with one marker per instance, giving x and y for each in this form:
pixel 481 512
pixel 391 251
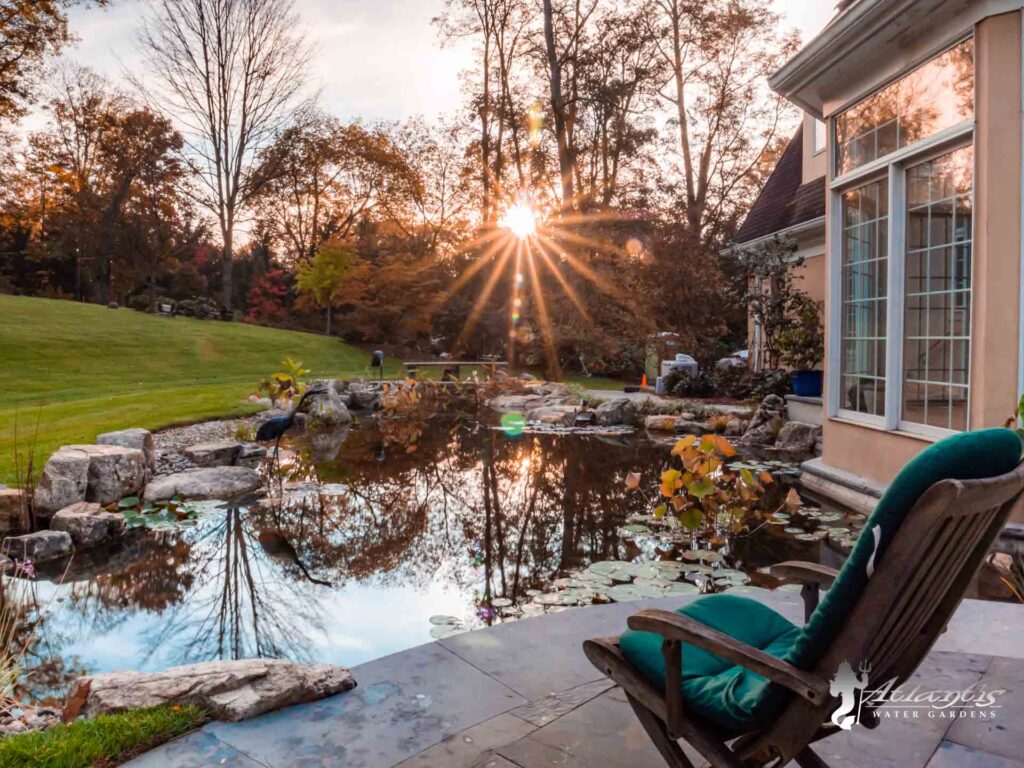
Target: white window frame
pixel 895 166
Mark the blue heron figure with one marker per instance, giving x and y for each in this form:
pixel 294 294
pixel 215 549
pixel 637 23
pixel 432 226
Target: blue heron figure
pixel 274 429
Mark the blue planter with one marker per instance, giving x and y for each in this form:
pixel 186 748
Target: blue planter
pixel 806 383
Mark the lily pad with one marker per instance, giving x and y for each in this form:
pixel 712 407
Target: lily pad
pixel 441 621
pixel 442 631
pixel 622 593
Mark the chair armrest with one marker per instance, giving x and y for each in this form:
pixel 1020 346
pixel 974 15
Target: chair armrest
pixel 811 575
pixel 677 628
pixel 808 573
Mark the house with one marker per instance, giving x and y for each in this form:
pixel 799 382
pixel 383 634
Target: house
pixel 920 242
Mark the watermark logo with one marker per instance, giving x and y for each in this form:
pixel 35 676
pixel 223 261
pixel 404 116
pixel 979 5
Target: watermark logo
pixel 856 692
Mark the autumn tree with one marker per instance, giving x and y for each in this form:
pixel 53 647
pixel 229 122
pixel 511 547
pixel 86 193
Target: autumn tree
pixel 320 177
pixel 321 278
pixel 230 72
pixel 31 32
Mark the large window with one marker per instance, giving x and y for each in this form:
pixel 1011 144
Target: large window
pixel 903 230
pixel 937 325
pixel 864 269
pixel 935 96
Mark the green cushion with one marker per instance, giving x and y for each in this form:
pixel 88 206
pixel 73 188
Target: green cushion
pixel 728 694
pixel 741 700
pixel 964 456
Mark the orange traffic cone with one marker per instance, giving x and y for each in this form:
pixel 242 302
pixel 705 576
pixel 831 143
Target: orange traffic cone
pixel 643 380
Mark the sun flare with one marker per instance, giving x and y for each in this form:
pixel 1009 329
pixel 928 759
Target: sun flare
pixel 520 220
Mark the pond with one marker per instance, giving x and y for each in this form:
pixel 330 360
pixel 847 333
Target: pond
pixel 405 535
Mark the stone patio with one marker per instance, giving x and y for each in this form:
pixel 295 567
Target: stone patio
pixel 522 695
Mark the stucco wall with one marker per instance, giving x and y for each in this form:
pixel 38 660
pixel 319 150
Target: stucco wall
pixel 877 454
pixel 814 163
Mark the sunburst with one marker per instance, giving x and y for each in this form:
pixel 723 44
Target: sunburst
pixel 524 237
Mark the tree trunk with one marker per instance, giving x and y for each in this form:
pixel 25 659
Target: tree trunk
pixel 328 332
pixel 226 263
pixel 565 168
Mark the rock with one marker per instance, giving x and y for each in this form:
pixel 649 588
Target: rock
pixel 88 524
pixel 327 411
pixel 685 427
pixel 114 472
pixel 140 439
pixel 797 436
pixel 208 483
pixel 735 427
pixel 621 410
pixel 583 419
pixel 222 453
pixel 553 414
pixel 767 421
pixel 250 455
pixel 524 376
pixel 13 510
pixel 514 403
pixel 64 481
pixel 365 397
pixel 227 690
pixel 661 423
pixel 39 547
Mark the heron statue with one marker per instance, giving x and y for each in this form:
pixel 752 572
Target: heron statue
pixel 274 429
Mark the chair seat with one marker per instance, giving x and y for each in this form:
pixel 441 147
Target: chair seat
pixel 719 690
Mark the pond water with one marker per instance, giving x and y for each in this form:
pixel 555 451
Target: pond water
pixel 399 538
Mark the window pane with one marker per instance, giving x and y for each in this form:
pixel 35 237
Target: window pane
pixel 935 96
pixel 864 268
pixel 937 289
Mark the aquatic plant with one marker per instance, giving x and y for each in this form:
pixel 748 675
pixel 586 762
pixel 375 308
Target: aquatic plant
pixel 704 494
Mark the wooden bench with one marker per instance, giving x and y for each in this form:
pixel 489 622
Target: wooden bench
pixel 452 369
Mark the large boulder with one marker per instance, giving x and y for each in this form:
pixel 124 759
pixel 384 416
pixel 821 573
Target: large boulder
pixel 207 483
pixel 39 547
pixel 222 453
pixel 64 481
pixel 114 471
pixel 327 411
pixel 767 421
pixel 140 439
pixel 13 510
pixel 88 524
pixel 621 410
pixel 798 436
pixel 227 690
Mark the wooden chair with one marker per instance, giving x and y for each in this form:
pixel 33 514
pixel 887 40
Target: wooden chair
pixel 905 604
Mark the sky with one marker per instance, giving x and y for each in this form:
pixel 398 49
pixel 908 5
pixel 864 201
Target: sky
pixel 376 59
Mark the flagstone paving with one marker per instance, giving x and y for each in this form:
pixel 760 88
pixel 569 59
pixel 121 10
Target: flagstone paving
pixel 522 695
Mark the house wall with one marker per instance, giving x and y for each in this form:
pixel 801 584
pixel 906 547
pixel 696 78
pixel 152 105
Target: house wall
pixel 814 163
pixel 876 454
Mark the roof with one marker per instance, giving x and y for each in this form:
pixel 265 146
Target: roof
pixel 784 202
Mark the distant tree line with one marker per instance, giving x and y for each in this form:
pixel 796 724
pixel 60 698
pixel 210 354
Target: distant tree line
pixel 639 130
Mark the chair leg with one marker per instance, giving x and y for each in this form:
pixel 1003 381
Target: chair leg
pixel 656 729
pixel 808 758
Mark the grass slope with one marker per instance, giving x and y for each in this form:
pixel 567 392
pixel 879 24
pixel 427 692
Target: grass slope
pixel 71 371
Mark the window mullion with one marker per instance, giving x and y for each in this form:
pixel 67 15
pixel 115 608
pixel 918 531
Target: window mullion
pixel 894 301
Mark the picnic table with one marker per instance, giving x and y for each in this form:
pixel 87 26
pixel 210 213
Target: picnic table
pixel 452 368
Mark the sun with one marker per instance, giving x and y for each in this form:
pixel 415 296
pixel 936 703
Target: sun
pixel 520 220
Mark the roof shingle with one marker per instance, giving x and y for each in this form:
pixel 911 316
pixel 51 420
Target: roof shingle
pixel 784 202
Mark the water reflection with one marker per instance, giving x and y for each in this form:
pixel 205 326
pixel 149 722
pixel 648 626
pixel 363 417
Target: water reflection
pixel 350 557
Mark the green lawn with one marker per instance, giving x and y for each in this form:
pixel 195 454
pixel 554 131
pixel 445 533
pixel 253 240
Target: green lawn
pixel 105 741
pixel 71 371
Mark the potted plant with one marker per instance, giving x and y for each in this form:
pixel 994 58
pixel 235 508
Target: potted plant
pixel 802 345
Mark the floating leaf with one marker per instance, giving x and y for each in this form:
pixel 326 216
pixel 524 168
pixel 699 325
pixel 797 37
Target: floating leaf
pixel 701 488
pixel 670 481
pixel 691 518
pixel 683 444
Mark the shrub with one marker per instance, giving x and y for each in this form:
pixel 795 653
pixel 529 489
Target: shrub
pixel 733 382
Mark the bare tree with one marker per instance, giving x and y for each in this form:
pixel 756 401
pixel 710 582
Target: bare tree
pixel 230 72
pixel 719 54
